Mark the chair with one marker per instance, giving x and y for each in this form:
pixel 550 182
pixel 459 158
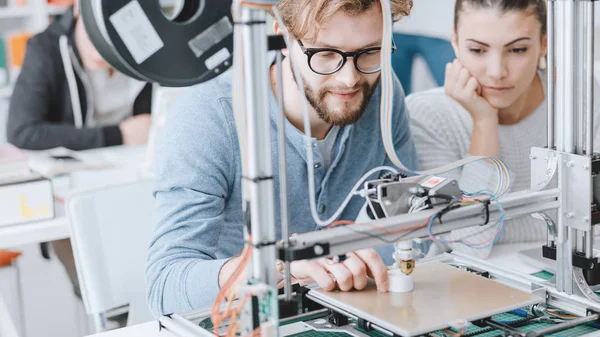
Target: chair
pixel 111 229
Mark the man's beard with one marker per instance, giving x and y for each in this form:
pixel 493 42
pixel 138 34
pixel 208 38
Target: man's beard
pixel 350 114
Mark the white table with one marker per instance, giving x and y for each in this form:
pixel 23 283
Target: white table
pixel 149 329
pixel 127 160
pixel 29 233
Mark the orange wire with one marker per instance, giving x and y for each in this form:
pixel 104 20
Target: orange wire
pixel 340 222
pixel 234 312
pixel 256 6
pixel 217 317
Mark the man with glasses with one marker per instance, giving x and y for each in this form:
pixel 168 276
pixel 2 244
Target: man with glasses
pixel 198 230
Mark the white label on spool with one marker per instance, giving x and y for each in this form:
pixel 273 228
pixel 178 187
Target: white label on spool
pixel 218 58
pixel 136 31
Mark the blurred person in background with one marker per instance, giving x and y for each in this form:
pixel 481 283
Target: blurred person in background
pixel 68 95
pixel 426 33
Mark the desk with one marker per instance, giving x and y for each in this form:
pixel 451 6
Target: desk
pixel 149 329
pixel 36 232
pixel 126 160
pixel 126 168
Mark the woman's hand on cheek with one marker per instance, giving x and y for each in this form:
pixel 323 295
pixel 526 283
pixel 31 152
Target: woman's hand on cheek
pixel 466 90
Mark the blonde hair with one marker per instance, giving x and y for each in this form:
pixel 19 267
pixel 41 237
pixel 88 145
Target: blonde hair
pixel 304 17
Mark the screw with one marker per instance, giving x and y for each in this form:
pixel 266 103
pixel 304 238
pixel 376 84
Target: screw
pixel 533 157
pixel 549 172
pixel 227 63
pixel 217 71
pixel 586 219
pixel 318 250
pixel 586 167
pixel 570 164
pixel 570 215
pixel 546 159
pixel 580 280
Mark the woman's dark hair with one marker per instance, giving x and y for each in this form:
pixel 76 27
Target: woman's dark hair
pixel 537 7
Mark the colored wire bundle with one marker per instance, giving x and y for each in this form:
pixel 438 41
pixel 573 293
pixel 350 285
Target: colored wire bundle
pixel 228 292
pixel 481 245
pixel 429 223
pixel 387 99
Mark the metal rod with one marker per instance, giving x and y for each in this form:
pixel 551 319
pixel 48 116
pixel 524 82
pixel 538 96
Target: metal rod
pixel 549 239
pixel 260 167
pixel 589 243
pixel 568 125
pixel 580 243
pixel 550 73
pixel 589 145
pixel 563 326
pixel 581 82
pixel 283 181
pixel 306 316
pixel 559 83
pixel 182 327
pixel 345 239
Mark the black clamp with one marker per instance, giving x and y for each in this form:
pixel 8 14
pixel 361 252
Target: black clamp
pixel 249 23
pixel 257 179
pixel 306 304
pixel 450 207
pixel 337 319
pixel 263 244
pixel 486 204
pixel 364 325
pixel 291 254
pixel 589 312
pixel 276 42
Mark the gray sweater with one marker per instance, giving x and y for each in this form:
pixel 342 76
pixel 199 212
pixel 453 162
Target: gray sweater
pixel 442 131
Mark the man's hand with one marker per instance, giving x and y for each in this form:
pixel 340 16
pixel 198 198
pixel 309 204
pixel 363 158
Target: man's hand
pixel 135 129
pixel 350 274
pixel 227 270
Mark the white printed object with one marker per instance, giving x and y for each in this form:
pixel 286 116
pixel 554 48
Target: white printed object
pixel 400 282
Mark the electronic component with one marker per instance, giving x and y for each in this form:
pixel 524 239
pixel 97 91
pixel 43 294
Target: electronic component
pixel 395 195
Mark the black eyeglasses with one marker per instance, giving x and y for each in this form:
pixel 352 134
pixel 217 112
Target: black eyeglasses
pixel 326 61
